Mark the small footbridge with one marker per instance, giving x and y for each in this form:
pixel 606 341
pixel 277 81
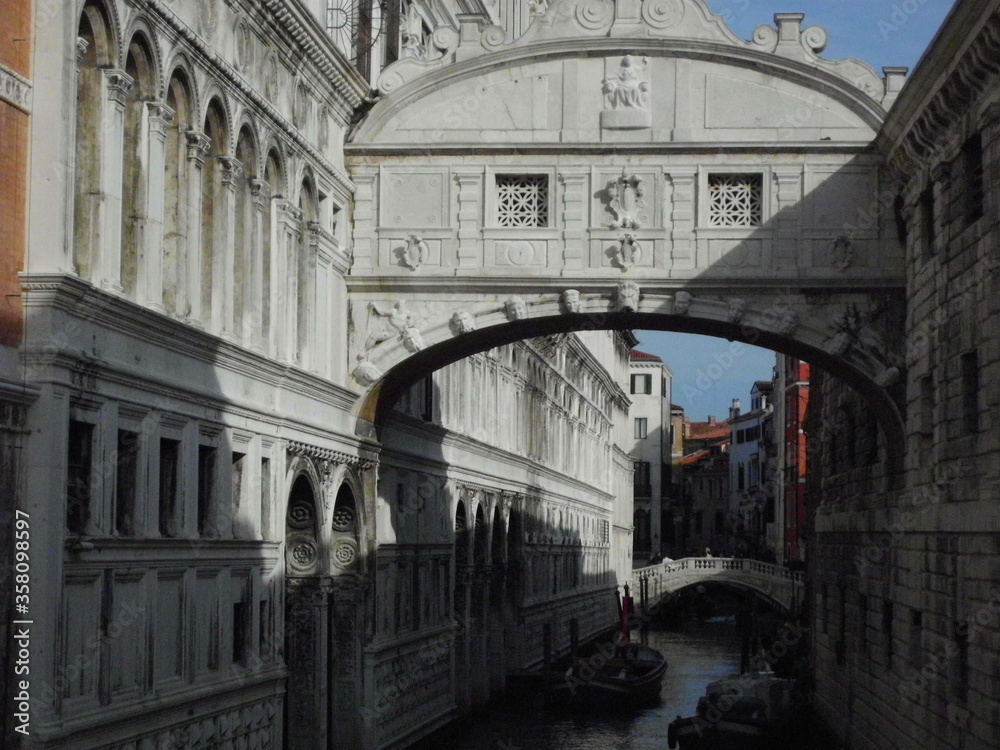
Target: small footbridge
pixel 655 583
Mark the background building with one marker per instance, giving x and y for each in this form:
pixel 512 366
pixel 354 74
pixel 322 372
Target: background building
pixel 751 464
pixel 791 403
pixel 652 450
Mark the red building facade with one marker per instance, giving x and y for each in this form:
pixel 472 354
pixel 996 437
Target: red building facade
pixel 796 400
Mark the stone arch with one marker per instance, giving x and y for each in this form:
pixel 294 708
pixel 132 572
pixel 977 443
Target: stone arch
pixel 214 98
pixel 140 64
pixel 480 536
pixel 303 551
pixel 178 218
pixel 97 55
pixel 345 531
pixel 462 529
pixel 213 229
pixel 775 321
pixel 275 167
pixel 140 31
pixel 498 537
pixel 245 262
pixel 180 67
pixel 307 198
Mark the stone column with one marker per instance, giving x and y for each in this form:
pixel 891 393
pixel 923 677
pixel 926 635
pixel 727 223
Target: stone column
pixel 470 213
pixel 365 239
pixel 464 578
pixel 258 339
pixel 786 249
pixel 150 271
pixel 224 262
pixel 286 279
pixel 347 594
pixel 189 290
pixel 681 210
pixel 307 638
pixel 118 86
pixel 575 251
pixel 309 279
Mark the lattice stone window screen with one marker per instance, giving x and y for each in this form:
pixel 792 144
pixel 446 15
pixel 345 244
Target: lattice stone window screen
pixel 522 200
pixel 734 200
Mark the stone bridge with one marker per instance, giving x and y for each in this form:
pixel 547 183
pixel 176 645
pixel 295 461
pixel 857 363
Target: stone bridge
pixel 625 165
pixel 774 582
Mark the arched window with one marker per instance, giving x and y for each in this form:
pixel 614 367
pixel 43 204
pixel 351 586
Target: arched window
pixel 94 48
pixel 212 217
pixel 139 66
pixel 461 535
pixel 176 220
pixel 245 258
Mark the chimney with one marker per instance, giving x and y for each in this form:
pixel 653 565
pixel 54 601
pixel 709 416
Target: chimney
pixel 711 420
pixel 734 410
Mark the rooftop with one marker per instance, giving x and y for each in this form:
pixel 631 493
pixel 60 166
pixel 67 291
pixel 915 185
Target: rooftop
pixel 637 356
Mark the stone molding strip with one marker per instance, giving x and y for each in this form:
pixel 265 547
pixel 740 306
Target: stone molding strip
pixel 15 89
pixel 328 454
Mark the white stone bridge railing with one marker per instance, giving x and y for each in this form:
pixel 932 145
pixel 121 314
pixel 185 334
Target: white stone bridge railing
pixel 774 582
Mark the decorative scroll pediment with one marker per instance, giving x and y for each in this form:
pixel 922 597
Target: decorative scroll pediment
pixel 688 20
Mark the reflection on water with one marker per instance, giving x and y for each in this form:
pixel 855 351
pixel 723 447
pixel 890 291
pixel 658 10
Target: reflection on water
pixel 697 653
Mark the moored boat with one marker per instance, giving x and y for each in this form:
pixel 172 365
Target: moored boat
pixel 752 711
pixel 630 675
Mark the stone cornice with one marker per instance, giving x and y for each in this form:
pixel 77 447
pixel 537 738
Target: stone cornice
pixel 328 454
pixel 326 57
pixel 80 298
pixel 816 78
pixel 604 149
pixel 957 68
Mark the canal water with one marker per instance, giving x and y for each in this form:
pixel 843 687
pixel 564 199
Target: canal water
pixel 697 652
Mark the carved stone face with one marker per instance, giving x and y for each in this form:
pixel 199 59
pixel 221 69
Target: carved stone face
pixel 515 308
pixel 463 322
pixel 412 339
pixel 366 373
pixel 737 309
pixel 789 322
pixel 682 303
pixel 628 296
pixel 571 301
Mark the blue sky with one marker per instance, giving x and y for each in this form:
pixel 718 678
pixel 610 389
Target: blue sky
pixel 709 372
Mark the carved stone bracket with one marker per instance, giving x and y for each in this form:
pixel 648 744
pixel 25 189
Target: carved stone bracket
pixel 627 297
pixel 119 85
pixel 198 145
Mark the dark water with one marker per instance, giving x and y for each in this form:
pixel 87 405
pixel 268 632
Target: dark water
pixel 697 653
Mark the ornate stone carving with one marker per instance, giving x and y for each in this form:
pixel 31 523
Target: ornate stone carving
pixel 663 14
pixel 260 192
pixel 82 45
pixel 160 117
pixel 627 252
pixel 626 96
pixel 788 323
pixel 570 301
pixel 119 85
pixel 888 377
pixel 462 322
pixel 515 308
pixel 230 169
pixel 839 344
pixel 270 75
pixel 627 297
pixel 737 309
pixel 345 553
pixel 625 199
pixel 594 14
pixel 841 252
pixel 397 320
pixel 412 339
pixel 365 372
pixel 682 302
pixel 414 253
pixel 244 45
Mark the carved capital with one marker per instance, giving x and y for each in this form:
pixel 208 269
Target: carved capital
pixel 82 45
pixel 197 146
pixel 230 170
pixel 160 117
pixel 260 193
pixel 119 85
pixel 289 213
